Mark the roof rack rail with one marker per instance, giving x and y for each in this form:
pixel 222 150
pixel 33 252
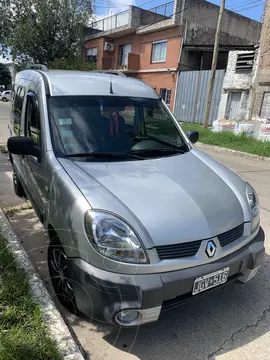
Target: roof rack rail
pixel 37 67
pixel 113 72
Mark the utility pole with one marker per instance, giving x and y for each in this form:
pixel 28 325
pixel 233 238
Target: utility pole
pixel 214 65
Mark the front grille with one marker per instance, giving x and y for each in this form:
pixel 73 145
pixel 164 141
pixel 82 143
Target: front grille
pixel 190 249
pixel 178 250
pixel 229 236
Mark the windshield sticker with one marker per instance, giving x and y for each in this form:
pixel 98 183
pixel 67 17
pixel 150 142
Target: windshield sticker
pixel 66 133
pixel 67 121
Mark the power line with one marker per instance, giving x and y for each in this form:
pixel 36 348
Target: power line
pixel 243 3
pixel 250 7
pixel 231 9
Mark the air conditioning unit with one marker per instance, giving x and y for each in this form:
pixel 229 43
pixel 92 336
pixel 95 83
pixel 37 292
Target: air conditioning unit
pixel 108 46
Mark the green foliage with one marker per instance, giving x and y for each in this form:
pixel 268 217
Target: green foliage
pixel 23 334
pixel 71 64
pixel 42 31
pixel 229 140
pixel 5 76
pixel 5 25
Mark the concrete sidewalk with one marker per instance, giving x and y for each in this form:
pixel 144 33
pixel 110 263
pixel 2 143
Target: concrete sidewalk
pixel 234 323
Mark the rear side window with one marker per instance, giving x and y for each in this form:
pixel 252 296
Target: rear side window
pixel 17 108
pixel 32 129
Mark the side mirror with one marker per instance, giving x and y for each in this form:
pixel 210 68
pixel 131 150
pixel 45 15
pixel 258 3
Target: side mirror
pixel 193 136
pixel 21 145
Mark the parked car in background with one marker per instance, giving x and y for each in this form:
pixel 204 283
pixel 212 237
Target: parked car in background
pixel 5 95
pixel 139 220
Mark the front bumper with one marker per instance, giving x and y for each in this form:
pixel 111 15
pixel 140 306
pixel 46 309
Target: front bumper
pixel 102 294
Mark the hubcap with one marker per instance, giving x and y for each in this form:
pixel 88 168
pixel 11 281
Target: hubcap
pixel 59 266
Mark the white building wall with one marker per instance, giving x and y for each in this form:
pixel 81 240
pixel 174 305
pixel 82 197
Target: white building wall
pixel 237 82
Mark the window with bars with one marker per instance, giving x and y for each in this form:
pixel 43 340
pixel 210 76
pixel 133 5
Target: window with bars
pixel 159 50
pixel 245 61
pixel 91 54
pixel 166 95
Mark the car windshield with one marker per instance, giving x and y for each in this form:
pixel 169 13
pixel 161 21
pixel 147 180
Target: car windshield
pixel 107 127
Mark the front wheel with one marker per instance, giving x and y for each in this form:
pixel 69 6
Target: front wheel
pixel 18 188
pixel 59 275
pixel 4 99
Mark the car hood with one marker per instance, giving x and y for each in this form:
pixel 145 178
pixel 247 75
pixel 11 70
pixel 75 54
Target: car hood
pixel 167 200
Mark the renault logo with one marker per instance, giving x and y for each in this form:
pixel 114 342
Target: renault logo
pixel 211 248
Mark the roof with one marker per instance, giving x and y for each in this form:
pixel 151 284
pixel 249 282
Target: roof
pixel 62 83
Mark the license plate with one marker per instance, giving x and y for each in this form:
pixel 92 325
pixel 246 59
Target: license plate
pixel 209 281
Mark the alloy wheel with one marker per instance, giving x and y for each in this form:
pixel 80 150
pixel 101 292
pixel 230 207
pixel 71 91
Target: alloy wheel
pixel 60 275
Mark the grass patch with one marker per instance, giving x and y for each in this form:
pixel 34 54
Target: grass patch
pixel 229 140
pixel 10 210
pixel 3 149
pixel 23 335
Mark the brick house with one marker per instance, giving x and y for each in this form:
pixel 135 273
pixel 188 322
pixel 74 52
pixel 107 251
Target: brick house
pixel 156 45
pixel 145 46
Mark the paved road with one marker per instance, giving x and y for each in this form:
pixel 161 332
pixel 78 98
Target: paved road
pixel 232 324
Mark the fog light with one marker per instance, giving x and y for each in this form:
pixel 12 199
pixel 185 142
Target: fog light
pixel 127 316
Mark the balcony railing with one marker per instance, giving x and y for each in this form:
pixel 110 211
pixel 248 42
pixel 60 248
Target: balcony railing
pixel 164 9
pixel 112 22
pixel 130 61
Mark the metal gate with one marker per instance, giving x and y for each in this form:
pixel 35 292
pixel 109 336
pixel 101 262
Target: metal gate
pixel 233 105
pixel 191 96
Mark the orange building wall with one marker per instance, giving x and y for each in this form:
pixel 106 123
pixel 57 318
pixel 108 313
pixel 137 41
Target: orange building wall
pixel 159 81
pixel 142 45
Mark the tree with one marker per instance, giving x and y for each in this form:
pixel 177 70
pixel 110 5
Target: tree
pixel 6 17
pixel 5 77
pixel 43 31
pixel 72 63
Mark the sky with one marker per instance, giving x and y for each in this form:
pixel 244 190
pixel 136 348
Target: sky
pixel 250 8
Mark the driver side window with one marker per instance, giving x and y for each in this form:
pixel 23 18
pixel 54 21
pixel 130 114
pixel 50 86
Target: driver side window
pixel 32 125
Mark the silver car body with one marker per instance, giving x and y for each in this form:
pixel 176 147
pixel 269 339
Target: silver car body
pixel 167 200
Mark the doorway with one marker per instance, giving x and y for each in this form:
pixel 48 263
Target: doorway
pixel 233 105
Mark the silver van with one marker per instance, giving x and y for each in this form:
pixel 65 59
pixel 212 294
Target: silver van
pixel 139 219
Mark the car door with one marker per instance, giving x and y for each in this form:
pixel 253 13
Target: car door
pixel 16 127
pixel 35 168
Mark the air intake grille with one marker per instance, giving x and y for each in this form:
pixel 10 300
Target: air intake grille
pixel 231 235
pixel 178 250
pixel 190 249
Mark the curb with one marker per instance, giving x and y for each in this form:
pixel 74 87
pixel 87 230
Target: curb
pixel 51 316
pixel 235 152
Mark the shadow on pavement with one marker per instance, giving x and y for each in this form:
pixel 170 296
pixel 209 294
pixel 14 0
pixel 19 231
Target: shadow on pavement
pixel 226 320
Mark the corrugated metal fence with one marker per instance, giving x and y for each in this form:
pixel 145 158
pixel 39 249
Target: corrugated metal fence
pixel 191 95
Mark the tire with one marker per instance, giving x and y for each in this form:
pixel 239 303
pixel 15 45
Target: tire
pixel 4 99
pixel 61 282
pixel 18 188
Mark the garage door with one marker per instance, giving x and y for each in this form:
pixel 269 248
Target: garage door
pixel 265 113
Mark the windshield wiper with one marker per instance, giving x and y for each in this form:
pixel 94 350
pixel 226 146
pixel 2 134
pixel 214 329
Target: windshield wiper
pixel 157 150
pixel 104 155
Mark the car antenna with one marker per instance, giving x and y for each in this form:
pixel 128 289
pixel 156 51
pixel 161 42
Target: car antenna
pixel 111 89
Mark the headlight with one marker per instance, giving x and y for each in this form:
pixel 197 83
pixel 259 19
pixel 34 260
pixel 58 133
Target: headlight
pixel 113 238
pixel 254 207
